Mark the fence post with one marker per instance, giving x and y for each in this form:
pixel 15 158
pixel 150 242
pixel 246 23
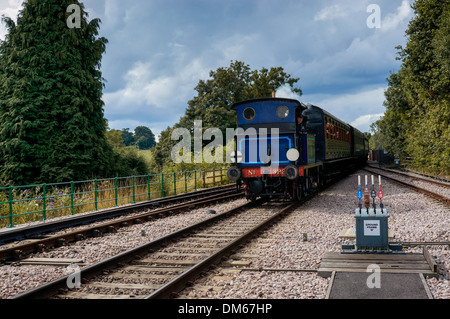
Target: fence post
pixel 134 193
pixel 148 186
pixel 44 203
pixel 195 180
pixel 174 183
pixel 95 194
pixel 10 199
pixel 204 179
pixel 185 181
pixel 162 185
pixel 115 191
pixel 71 198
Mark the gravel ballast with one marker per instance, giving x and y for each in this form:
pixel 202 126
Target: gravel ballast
pixel 413 217
pixel 17 278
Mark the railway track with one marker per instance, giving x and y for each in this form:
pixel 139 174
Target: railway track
pixel 38 239
pixel 428 176
pixel 442 198
pixel 26 232
pixel 424 178
pixel 161 268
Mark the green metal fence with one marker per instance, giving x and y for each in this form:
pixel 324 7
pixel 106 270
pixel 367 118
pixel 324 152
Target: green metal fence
pixel 40 202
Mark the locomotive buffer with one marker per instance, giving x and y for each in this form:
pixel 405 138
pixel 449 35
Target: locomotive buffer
pixel 372 231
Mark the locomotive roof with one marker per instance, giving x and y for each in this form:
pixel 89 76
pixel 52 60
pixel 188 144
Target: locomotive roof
pixel 269 99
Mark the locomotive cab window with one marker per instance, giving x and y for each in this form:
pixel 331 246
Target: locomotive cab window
pixel 249 113
pixel 282 112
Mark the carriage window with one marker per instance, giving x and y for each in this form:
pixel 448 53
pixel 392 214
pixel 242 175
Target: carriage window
pixel 282 112
pixel 249 113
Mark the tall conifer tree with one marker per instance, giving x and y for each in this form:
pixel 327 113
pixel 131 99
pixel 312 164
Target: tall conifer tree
pixel 52 125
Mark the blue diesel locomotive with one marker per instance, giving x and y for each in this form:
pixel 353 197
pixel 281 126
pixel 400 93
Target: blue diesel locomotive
pixel 284 148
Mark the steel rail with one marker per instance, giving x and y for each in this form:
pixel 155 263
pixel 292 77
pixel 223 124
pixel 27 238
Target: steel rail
pixel 173 287
pixel 179 283
pixel 25 232
pixel 20 251
pixel 420 178
pixel 431 194
pixel 166 291
pixel 51 288
pixel 423 243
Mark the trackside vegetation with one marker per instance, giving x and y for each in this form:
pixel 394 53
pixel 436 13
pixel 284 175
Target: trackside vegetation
pixel 416 124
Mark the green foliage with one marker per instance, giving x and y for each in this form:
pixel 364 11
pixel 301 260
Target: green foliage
pixel 52 125
pixel 416 122
pixel 226 86
pixel 163 149
pixel 115 139
pixel 142 137
pixel 128 160
pixel 127 136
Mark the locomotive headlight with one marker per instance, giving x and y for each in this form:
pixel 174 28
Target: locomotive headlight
pixel 293 154
pixel 291 172
pixel 234 173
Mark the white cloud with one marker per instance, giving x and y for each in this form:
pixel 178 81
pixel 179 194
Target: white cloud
pixel 11 9
pixel 285 92
pixel 330 13
pixel 349 107
pixel 157 52
pixel 393 20
pixel 363 122
pixel 346 106
pixel 347 52
pixel 152 99
pixel 126 123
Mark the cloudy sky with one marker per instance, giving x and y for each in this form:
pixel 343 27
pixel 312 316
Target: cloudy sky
pixel 159 49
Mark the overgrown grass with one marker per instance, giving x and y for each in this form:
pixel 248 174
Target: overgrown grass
pixel 25 204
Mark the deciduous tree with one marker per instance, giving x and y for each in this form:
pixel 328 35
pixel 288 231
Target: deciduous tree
pixel 417 119
pixel 226 86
